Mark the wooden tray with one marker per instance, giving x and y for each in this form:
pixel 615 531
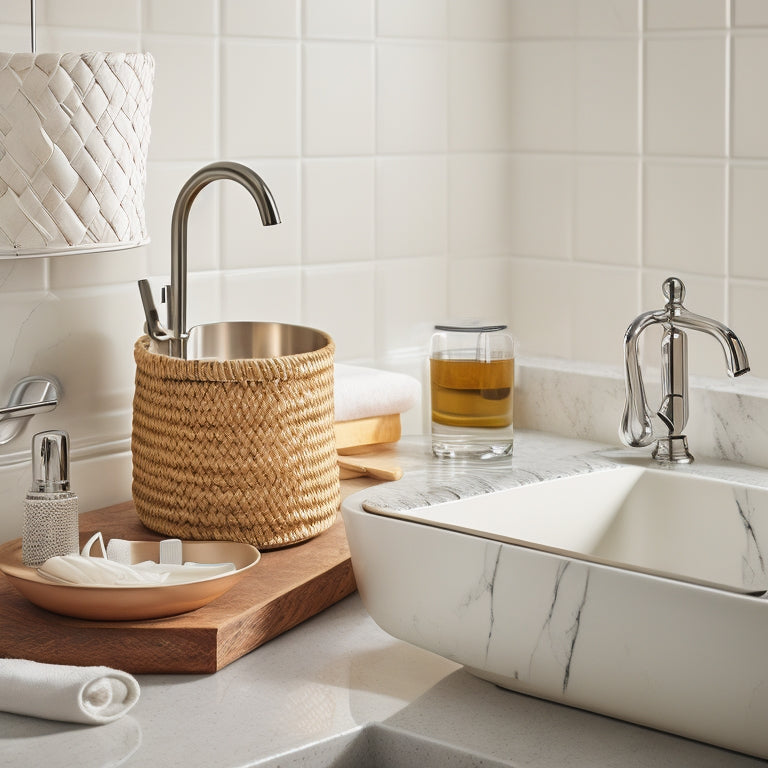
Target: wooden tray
pixel 285 588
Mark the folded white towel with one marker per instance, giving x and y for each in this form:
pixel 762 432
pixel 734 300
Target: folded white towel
pixel 91 695
pixel 361 393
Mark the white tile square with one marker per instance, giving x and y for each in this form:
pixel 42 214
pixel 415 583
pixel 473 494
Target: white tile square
pixel 181 17
pixel 607 96
pixel 479 288
pixel 245 242
pixel 260 18
pixel 750 13
pixel 600 295
pixel 411 97
pixel 96 370
pixel 685 89
pixel 479 19
pixel 338 210
pixel 410 299
pixel 749 223
pixel 164 182
pixel 404 18
pixel 607 211
pixel 339 299
pixel 480 204
pixel 259 98
pixel 478 97
pixel 339 19
pixel 607 18
pixel 540 207
pixel 264 295
pixel 204 299
pixel 411 205
pixel 750 100
pixel 183 128
pixel 747 302
pixel 16 38
pixel 101 14
pixel 93 269
pixel 84 39
pixel 542 86
pixel 686 14
pixel 542 18
pixel 338 99
pixel 532 282
pixel 27 319
pixel 684 221
pixel 17 12
pixel 23 275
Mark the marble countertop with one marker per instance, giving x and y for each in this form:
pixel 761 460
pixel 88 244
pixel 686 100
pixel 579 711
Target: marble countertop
pixel 336 686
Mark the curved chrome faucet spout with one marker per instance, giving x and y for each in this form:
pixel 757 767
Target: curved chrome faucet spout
pixel 177 311
pixel 639 426
pixel 176 333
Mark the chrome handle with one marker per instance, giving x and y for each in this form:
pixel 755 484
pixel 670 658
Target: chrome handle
pixel 154 327
pixel 22 406
pixel 637 421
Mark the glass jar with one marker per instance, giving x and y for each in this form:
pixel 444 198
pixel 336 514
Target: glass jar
pixel 472 382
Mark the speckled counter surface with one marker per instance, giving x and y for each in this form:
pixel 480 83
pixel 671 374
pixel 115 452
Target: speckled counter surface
pixel 301 698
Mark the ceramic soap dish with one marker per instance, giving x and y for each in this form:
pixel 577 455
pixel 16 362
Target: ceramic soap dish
pixel 132 602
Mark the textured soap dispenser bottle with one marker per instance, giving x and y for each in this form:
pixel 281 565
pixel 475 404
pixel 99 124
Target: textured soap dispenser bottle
pixel 50 508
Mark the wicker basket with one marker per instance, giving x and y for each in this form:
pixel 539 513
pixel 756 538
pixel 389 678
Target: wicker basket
pixel 241 450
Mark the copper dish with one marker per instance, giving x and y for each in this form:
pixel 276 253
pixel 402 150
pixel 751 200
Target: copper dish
pixel 132 602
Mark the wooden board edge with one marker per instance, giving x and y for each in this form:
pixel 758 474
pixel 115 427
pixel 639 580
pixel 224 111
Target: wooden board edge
pixel 284 613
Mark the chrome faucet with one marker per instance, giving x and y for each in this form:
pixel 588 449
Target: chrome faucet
pixel 176 294
pixel 639 427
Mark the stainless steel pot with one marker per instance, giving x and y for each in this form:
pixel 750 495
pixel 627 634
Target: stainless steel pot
pixel 245 340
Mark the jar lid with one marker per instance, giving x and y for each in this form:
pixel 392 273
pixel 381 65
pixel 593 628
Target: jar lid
pixel 471 328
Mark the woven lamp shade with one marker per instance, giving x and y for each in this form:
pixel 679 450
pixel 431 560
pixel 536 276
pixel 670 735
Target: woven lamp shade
pixel 74 135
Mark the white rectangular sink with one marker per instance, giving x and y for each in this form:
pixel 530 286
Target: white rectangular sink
pixel 630 591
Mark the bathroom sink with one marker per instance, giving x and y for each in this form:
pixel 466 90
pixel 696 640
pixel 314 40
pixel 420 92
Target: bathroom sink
pixel 629 591
pixel 380 746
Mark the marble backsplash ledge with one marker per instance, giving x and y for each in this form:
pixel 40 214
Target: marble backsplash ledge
pixel 728 417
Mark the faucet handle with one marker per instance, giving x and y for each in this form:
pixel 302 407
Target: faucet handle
pixel 154 327
pixel 674 291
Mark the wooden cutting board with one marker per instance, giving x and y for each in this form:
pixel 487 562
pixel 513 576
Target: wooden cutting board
pixel 287 587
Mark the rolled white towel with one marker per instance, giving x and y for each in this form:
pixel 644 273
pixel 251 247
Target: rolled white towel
pixel 91 695
pixel 360 393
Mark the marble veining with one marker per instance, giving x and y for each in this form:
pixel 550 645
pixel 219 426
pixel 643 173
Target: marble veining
pixel 427 488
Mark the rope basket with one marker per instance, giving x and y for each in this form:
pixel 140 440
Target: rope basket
pixel 241 450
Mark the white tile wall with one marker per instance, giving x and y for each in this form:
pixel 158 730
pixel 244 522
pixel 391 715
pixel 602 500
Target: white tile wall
pixel 637 150
pixel 548 162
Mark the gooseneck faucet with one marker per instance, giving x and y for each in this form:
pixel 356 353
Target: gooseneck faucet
pixel 639 427
pixel 176 294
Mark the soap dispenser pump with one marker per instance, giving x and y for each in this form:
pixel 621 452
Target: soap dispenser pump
pixel 50 508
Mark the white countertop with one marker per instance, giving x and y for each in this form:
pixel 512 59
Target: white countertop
pixel 299 698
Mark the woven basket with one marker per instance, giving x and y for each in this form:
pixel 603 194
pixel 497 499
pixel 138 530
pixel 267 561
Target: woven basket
pixel 241 450
pixel 74 135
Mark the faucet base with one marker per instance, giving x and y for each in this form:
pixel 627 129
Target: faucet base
pixel 672 450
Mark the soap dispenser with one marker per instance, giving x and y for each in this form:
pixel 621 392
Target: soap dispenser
pixel 50 508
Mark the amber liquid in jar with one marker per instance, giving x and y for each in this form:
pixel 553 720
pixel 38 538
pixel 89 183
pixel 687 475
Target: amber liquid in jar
pixel 472 393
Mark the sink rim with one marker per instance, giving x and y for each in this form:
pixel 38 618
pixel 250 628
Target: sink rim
pixel 423 515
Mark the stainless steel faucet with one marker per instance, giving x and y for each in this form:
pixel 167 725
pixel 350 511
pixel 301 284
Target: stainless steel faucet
pixel 176 294
pixel 639 427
